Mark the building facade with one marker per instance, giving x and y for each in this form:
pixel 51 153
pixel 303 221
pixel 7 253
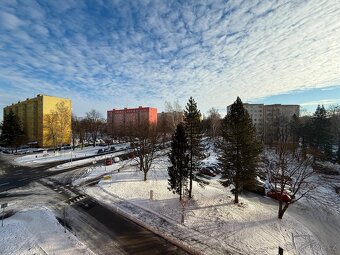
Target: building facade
pixel 265 118
pixel 274 114
pixel 32 112
pixel 170 120
pixel 119 120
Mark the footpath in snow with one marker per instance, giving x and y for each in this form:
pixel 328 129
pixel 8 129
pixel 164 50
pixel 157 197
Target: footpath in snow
pixel 37 231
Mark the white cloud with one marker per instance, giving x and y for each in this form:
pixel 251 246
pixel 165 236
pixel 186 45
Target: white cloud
pixel 10 21
pixel 321 102
pixel 173 51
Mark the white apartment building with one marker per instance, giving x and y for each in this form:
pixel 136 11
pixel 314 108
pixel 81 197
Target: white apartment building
pixel 264 118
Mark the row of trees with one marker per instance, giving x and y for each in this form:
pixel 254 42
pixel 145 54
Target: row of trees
pixel 239 155
pixel 186 152
pixel 57 129
pixel 320 133
pixel 239 150
pixel 88 129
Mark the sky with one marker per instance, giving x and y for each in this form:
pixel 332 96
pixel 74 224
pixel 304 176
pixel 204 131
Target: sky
pixel 114 54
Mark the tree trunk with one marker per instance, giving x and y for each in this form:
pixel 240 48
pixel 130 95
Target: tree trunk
pixel 180 183
pixel 191 158
pixel 145 175
pixel 236 197
pixel 282 210
pixel 238 169
pixel 236 192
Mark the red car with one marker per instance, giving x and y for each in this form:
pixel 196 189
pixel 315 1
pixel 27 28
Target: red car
pixel 284 197
pixel 108 161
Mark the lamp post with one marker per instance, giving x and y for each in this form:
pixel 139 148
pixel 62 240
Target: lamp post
pixel 3 206
pixel 71 159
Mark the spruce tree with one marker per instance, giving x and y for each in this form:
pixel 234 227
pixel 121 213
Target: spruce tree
pixel 239 149
pixel 179 158
pixel 321 134
pixel 12 134
pixel 192 117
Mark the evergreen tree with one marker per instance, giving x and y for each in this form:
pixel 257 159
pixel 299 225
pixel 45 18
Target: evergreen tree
pixel 295 130
pixel 179 158
pixel 192 117
pixel 12 134
pixel 239 149
pixel 321 134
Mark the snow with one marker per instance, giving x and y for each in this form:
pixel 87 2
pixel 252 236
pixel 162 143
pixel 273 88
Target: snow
pixel 37 231
pixel 87 160
pixel 94 172
pixel 252 227
pixel 47 157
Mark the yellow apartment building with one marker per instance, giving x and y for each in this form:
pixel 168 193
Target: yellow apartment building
pixel 32 113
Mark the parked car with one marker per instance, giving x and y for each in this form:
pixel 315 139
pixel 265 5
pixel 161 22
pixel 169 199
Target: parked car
pixel 208 172
pixel 112 148
pixel 100 151
pixel 21 152
pixel 39 151
pixel 108 161
pixel 116 159
pixel 284 197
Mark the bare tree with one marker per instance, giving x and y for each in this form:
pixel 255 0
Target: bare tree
pixel 57 125
pixel 174 115
pixel 51 129
pixel 214 123
pixel 64 123
pixel 144 138
pixel 94 122
pixel 292 172
pixel 78 131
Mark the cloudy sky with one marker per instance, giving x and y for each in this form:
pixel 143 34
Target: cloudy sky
pixel 112 54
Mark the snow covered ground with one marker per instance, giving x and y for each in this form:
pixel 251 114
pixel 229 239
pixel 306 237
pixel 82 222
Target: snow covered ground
pixel 93 172
pixel 37 231
pixel 87 160
pixel 47 157
pixel 251 227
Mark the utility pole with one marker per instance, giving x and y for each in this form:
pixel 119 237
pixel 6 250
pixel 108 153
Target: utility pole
pixel 3 206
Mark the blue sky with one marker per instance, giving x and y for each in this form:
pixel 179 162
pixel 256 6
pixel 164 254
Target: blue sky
pixel 112 54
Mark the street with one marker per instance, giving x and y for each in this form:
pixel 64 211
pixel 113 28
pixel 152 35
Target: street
pixel 103 230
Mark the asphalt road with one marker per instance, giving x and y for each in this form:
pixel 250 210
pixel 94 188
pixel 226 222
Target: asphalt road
pixel 105 231
pixel 130 237
pixel 18 176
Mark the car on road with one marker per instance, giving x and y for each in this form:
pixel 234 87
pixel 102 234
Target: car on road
pixel 275 194
pixel 100 151
pixel 112 148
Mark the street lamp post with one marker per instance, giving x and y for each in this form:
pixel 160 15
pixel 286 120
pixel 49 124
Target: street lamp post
pixel 71 158
pixel 3 206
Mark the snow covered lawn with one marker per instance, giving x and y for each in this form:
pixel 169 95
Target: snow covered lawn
pixel 37 231
pixel 251 227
